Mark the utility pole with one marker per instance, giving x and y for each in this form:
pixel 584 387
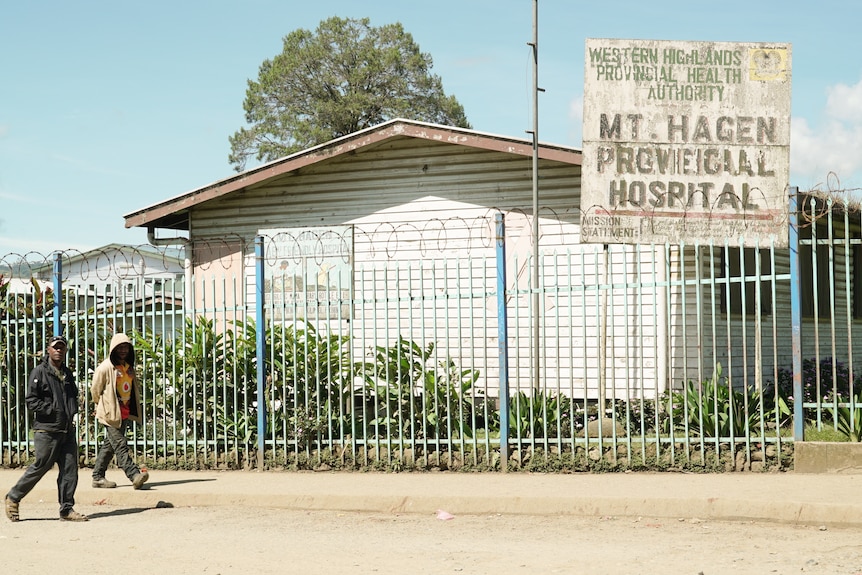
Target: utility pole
pixel 537 329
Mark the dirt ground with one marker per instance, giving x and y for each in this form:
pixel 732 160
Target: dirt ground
pixel 233 539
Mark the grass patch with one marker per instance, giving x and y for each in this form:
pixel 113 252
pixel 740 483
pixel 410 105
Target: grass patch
pixel 825 433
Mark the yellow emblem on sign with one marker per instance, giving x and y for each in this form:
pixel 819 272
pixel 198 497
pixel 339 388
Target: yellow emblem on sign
pixel 768 64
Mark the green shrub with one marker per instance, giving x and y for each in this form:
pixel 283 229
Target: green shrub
pixel 411 396
pixel 821 380
pixel 714 408
pixel 541 414
pixel 848 418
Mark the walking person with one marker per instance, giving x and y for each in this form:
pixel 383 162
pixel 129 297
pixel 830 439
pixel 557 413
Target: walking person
pixel 52 396
pixel 117 396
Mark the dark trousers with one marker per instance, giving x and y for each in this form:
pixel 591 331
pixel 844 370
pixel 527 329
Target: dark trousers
pixel 51 448
pixel 115 444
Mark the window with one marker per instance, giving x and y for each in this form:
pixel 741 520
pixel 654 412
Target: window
pixel 821 279
pixel 826 278
pixel 744 273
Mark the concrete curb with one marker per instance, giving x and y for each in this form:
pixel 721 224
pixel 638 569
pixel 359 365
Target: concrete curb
pixel 792 498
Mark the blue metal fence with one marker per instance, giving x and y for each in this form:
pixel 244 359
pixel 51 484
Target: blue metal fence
pixel 653 357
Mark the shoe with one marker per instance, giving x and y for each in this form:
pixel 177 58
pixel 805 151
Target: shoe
pixel 102 483
pixel 140 479
pixel 12 509
pixel 74 516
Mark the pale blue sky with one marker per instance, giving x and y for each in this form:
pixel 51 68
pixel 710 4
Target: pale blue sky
pixel 107 107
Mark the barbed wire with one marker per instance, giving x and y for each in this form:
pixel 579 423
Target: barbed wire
pixel 390 239
pixel 99 264
pixel 286 247
pixel 26 261
pixel 824 200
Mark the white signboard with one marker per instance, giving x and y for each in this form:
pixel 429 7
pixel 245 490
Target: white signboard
pixel 685 141
pixel 308 272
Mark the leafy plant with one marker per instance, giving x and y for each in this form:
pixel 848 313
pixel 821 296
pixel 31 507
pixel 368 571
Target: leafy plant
pixel 414 397
pixel 240 427
pixel 309 381
pixel 192 376
pixel 714 408
pixel 848 419
pixel 541 414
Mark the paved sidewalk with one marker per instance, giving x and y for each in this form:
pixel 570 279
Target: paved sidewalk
pixel 793 498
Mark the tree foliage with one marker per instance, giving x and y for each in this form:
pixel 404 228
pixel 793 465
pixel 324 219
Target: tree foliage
pixel 344 77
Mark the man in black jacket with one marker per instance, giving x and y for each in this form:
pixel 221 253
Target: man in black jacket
pixel 52 396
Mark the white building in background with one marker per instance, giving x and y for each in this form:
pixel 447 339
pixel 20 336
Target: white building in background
pixel 382 212
pixel 22 286
pixel 128 287
pixel 116 267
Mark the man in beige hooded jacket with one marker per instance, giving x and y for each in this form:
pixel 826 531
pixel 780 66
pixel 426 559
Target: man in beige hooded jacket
pixel 117 395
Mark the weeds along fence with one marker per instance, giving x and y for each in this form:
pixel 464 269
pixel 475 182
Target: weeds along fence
pixel 429 346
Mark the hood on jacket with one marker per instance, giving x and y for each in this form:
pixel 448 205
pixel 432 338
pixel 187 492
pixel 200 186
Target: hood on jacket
pixel 118 339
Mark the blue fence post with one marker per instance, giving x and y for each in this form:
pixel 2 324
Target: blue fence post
pixel 796 317
pixel 58 292
pixel 503 338
pixel 260 352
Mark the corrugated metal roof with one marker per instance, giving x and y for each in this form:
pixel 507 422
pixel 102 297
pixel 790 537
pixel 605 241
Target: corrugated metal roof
pixel 172 213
